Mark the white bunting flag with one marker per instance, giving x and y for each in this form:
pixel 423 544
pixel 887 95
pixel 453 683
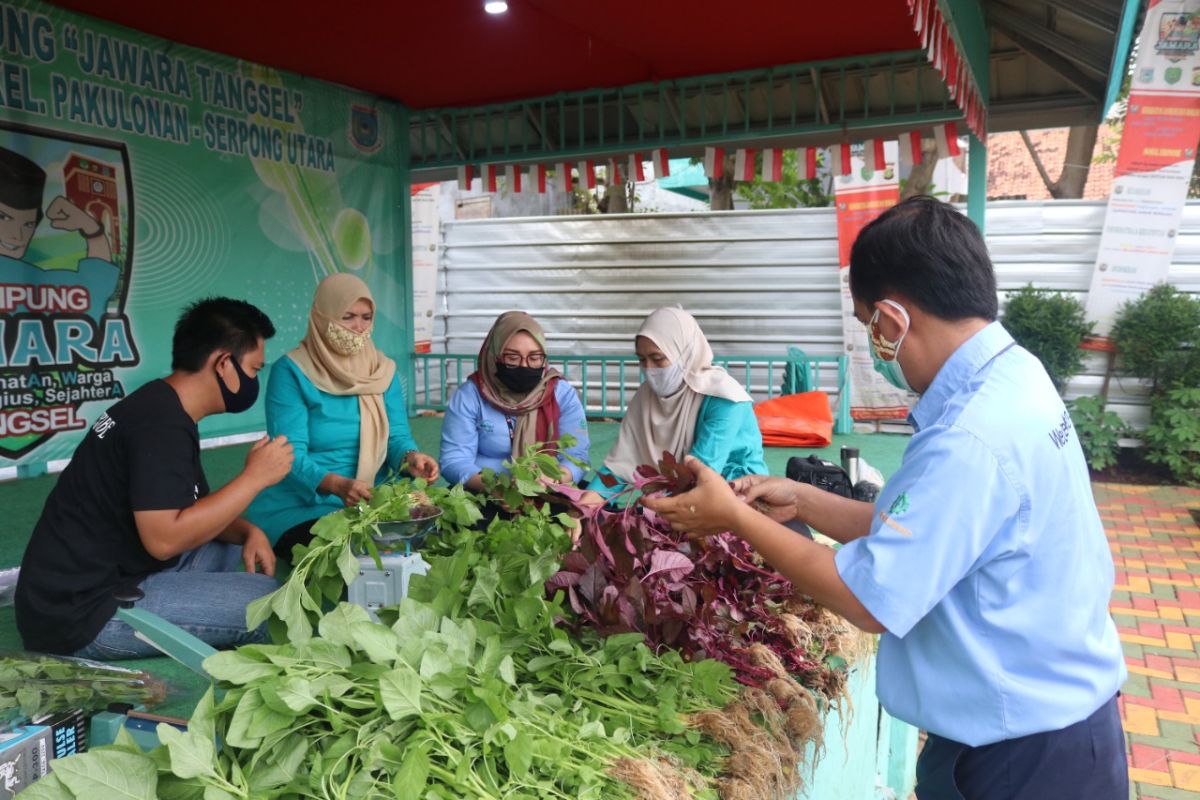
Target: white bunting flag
pixel 635 171
pixel 772 165
pixel 806 163
pixel 743 164
pixel 662 167
pixel 512 176
pixel 562 176
pixel 714 162
pixel 873 155
pixel 947 140
pixel 587 174
pixel 910 147
pixel 489 174
pixel 537 175
pixel 465 177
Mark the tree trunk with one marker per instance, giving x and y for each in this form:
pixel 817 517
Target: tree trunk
pixel 921 177
pixel 618 198
pixel 1077 163
pixel 721 189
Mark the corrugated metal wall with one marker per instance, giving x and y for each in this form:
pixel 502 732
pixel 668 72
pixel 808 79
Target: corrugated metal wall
pixel 757 281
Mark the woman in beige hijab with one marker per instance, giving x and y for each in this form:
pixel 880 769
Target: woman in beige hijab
pixel 339 402
pixel 686 406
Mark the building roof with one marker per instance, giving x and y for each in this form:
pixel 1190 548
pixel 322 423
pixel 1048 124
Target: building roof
pixel 1013 176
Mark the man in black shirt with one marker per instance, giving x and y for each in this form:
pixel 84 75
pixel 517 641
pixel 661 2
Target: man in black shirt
pixel 133 508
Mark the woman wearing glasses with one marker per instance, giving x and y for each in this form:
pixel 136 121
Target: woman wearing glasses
pixel 339 402
pixel 512 400
pixel 686 406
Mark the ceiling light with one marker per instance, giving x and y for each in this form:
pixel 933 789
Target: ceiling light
pixel 495 6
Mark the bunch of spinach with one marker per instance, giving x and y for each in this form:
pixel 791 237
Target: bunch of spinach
pixel 32 684
pixel 324 568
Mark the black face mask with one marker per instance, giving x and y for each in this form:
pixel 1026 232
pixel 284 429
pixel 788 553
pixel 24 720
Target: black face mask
pixel 519 379
pixel 244 397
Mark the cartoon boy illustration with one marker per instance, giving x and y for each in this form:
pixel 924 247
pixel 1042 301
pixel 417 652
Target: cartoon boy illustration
pixel 22 183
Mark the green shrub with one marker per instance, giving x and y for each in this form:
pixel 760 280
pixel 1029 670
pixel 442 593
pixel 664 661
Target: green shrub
pixel 1158 338
pixel 1173 436
pixel 1050 325
pixel 1099 431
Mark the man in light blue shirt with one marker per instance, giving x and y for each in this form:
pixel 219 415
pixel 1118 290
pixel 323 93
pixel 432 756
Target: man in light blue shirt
pixel 983 563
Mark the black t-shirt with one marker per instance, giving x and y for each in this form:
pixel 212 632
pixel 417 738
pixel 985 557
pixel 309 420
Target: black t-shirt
pixel 143 454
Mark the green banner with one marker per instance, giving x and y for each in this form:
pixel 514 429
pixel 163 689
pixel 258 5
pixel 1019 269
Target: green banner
pixel 138 175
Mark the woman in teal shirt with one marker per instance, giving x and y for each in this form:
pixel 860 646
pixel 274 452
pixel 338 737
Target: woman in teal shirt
pixel 338 401
pixel 685 406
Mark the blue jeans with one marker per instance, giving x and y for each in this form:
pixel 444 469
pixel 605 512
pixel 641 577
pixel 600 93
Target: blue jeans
pixel 206 594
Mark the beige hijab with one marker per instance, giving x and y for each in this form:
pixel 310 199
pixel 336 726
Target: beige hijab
pixel 367 373
pixel 656 424
pixel 537 412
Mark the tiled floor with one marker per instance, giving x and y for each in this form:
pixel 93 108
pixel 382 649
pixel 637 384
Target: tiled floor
pixel 1155 539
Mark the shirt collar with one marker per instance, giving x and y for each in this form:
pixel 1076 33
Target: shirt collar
pixel 963 364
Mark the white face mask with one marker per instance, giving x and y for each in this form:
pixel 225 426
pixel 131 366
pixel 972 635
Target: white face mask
pixel 665 381
pixel 345 341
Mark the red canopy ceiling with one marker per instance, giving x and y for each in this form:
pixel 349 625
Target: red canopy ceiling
pixel 451 53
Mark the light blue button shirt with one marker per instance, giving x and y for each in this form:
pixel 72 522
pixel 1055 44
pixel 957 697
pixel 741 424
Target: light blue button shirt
pixel 987 562
pixel 476 435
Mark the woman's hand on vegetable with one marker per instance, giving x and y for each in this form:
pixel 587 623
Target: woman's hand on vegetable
pixel 350 490
pixel 710 508
pixel 564 476
pixel 257 552
pixel 774 497
pixel 421 465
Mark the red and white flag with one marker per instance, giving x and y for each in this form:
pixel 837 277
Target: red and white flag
pixel 489 175
pixel 658 158
pixel 772 164
pixel 947 139
pixel 562 176
pixel 538 176
pixel 512 176
pixel 587 174
pixel 839 159
pixel 615 178
pixel 465 176
pixel 806 163
pixel 635 171
pixel 910 146
pixel 743 164
pixel 873 155
pixel 714 162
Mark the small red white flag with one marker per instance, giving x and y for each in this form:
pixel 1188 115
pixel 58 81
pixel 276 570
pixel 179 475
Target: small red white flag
pixel 635 171
pixel 562 176
pixel 615 178
pixel 587 174
pixel 873 155
pixel 806 163
pixel 772 164
pixel 839 159
pixel 489 175
pixel 465 177
pixel 714 162
pixel 743 164
pixel 538 176
pixel 910 146
pixel 658 158
pixel 512 176
pixel 947 139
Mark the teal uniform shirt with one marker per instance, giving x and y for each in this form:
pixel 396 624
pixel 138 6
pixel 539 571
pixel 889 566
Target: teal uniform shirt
pixel 727 440
pixel 323 431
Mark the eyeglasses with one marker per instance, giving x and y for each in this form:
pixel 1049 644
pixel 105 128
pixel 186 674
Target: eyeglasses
pixel 511 359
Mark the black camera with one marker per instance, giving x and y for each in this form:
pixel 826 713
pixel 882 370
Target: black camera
pixel 830 477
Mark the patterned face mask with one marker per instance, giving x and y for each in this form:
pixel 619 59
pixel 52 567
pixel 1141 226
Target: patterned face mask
pixel 345 341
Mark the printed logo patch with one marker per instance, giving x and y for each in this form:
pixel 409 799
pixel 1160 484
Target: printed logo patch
pixel 899 505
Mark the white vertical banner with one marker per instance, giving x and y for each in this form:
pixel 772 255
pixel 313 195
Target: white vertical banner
pixel 1154 164
pixel 426 252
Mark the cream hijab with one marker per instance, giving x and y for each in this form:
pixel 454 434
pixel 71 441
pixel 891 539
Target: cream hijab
pixel 367 373
pixel 655 424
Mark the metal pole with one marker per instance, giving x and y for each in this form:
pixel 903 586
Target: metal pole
pixel 976 181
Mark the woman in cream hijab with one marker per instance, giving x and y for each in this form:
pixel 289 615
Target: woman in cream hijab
pixel 686 406
pixel 339 402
